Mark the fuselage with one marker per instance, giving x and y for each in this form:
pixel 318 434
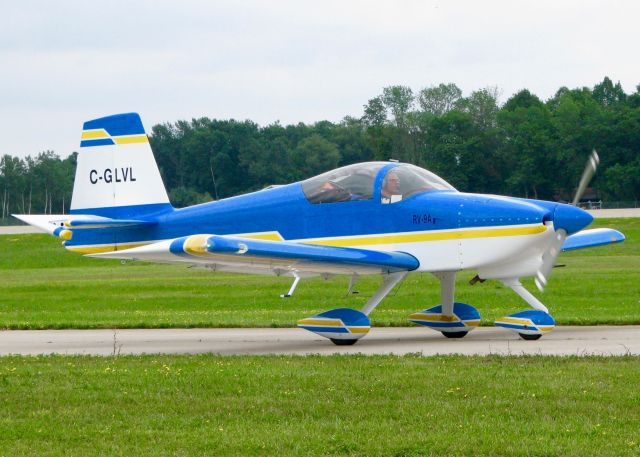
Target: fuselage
pixel 443 229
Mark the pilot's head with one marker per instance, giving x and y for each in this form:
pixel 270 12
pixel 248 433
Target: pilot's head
pixel 391 185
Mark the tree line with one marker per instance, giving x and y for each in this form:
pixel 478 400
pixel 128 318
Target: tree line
pixel 41 184
pixel 525 147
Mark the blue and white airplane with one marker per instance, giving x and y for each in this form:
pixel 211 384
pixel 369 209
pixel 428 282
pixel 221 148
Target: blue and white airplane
pixel 383 218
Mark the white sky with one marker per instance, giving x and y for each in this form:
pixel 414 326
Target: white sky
pixel 65 62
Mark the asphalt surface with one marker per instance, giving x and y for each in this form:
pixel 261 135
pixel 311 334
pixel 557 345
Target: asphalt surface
pixel 563 341
pixel 18 229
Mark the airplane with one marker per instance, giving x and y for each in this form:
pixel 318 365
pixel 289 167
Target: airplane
pixel 373 218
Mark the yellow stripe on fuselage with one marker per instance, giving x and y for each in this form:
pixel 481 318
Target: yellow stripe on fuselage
pixel 428 236
pixel 267 236
pixel 192 247
pixel 348 242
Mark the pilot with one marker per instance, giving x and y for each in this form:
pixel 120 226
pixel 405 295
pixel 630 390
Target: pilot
pixel 391 188
pixel 330 192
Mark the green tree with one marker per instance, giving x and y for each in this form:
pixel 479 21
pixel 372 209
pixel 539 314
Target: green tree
pixel 623 181
pixel 317 155
pixel 438 100
pixel 482 105
pixel 375 112
pixel 529 150
pixel 398 100
pixel 187 196
pixel 12 183
pixel 608 94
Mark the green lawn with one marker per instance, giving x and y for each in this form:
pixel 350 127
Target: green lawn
pixel 342 405
pixel 336 405
pixel 44 286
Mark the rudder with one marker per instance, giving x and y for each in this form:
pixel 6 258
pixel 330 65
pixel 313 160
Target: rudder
pixel 117 175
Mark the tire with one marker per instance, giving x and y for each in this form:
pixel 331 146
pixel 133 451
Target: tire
pixel 528 337
pixel 338 342
pixel 455 334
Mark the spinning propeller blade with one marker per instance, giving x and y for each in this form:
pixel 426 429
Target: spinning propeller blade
pixel 587 174
pixel 552 252
pixel 549 259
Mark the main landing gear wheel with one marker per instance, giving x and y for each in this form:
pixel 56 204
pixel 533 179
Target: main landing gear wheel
pixel 530 325
pixel 338 342
pixel 464 319
pixel 455 334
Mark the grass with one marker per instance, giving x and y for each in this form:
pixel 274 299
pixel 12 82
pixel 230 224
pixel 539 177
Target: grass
pixel 44 286
pixel 336 405
pixel 342 405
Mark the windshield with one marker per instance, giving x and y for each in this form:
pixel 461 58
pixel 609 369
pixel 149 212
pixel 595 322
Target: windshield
pixel 353 182
pixel 357 182
pixel 406 180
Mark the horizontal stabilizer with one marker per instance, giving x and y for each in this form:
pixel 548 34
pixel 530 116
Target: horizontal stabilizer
pixel 45 222
pixel 231 253
pixel 591 238
pixel 52 223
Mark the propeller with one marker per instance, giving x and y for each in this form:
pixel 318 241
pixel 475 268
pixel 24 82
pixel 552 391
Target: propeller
pixel 552 252
pixel 587 174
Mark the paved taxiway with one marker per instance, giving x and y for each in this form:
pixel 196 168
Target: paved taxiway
pixel 600 340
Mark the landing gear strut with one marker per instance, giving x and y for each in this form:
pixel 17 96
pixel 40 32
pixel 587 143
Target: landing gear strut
pixel 530 325
pixel 345 326
pixel 296 280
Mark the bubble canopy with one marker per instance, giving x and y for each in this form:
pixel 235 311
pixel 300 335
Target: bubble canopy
pixel 358 182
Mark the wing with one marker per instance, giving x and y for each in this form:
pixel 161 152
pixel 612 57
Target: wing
pixel 229 253
pixel 593 237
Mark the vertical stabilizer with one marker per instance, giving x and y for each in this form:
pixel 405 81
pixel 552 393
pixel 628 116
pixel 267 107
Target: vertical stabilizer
pixel 117 175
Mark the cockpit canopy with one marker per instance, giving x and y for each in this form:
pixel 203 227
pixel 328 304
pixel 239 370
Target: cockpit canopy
pixel 358 182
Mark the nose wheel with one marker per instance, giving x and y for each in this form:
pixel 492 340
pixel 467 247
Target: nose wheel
pixel 530 324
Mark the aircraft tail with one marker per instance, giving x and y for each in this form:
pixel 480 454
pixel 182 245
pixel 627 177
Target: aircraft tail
pixel 117 175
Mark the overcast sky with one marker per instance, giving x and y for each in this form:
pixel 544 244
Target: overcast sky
pixel 65 62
